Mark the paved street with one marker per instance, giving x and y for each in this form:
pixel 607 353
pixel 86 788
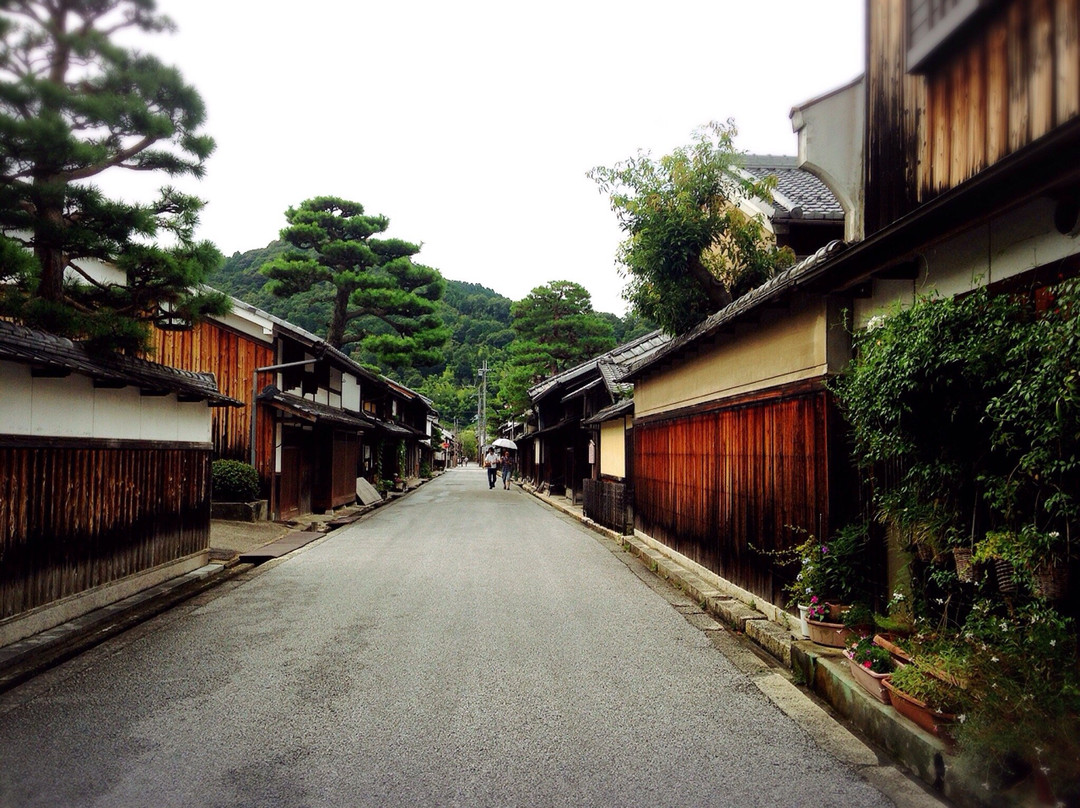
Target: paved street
pixel 463 646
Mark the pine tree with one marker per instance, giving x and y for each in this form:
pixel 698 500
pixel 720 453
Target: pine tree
pixel 555 328
pixel 73 105
pixel 380 298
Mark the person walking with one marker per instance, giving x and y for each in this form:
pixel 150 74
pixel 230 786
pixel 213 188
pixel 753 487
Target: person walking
pixel 491 463
pixel 507 464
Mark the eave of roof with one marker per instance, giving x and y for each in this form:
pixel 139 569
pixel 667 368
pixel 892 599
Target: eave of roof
pixel 38 348
pixel 618 355
pixel 616 410
pixel 313 411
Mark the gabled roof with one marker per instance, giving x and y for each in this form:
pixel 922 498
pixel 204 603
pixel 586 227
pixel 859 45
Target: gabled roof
pixel 58 354
pixel 799 194
pixel 610 365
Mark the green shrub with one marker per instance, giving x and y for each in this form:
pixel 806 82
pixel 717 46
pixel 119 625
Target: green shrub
pixel 234 481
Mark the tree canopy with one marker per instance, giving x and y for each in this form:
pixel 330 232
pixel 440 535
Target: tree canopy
pixel 689 251
pixel 73 105
pixel 379 298
pixel 555 328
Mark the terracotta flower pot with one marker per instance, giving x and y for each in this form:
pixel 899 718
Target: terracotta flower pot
pixel 832 635
pixel 933 721
pixel 899 655
pixel 872 683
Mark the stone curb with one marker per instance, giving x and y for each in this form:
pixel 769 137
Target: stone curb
pixel 825 672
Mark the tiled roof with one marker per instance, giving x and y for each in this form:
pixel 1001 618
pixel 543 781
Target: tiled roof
pixel 614 411
pixel 799 194
pixel 48 351
pixel 610 364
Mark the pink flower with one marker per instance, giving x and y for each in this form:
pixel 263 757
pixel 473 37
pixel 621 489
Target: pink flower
pixel 813 598
pixel 866 664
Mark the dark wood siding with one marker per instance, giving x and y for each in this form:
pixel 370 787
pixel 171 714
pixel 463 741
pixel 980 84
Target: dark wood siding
pixel 76 517
pixel 711 484
pixel 232 358
pixel 336 469
pixel 1008 78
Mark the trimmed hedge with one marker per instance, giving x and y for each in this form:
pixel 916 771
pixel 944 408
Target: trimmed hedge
pixel 234 481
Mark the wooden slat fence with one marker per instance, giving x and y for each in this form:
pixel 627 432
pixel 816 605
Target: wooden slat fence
pixel 74 518
pixel 606 502
pixel 715 485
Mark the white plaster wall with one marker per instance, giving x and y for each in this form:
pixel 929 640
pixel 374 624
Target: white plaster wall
pixel 830 130
pixel 350 393
pixel 613 447
pixel 71 407
pixel 781 349
pixel 16 393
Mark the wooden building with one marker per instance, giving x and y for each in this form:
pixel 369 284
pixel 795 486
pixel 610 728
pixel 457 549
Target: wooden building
pixel 313 420
pixel 969 178
pixel 104 477
pixel 561 453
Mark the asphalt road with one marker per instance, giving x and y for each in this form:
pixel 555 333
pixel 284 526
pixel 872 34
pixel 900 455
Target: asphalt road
pixel 463 647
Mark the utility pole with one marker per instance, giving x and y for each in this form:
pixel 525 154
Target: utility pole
pixel 481 413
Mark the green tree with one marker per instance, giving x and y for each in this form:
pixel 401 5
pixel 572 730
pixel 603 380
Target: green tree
pixel 73 105
pixel 689 251
pixel 380 299
pixel 555 328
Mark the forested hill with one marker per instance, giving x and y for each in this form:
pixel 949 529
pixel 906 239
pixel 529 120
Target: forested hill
pixel 478 317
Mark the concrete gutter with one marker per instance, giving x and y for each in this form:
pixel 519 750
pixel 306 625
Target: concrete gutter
pixel 824 672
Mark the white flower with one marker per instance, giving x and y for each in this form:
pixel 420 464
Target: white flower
pixel 961 718
pixel 993 659
pixel 1053 643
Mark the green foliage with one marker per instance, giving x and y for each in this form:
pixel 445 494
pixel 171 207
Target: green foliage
pixel 933 692
pixel 1024 689
pixel 378 297
pixel 555 328
pixel 234 481
pixel 689 251
pixel 977 401
pixel 973 406
pixel 73 105
pixel 469 444
pixel 834 570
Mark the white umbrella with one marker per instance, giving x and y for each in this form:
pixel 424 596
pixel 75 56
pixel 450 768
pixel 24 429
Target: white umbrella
pixel 503 443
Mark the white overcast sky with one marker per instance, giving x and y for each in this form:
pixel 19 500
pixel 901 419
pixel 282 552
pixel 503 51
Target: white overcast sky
pixel 471 125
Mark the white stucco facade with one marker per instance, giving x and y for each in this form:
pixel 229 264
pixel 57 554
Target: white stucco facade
pixel 71 407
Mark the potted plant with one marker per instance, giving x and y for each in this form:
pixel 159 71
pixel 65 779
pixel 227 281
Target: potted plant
pixel 1029 557
pixel 870 666
pixel 924 699
pixel 830 579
